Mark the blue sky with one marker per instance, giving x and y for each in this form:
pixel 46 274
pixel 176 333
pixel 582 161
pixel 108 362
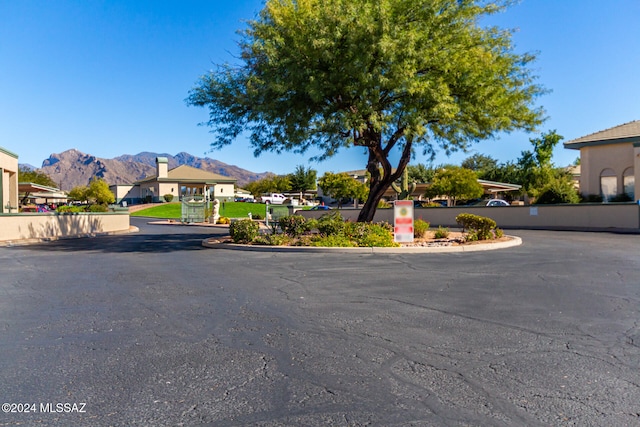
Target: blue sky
pixel 110 77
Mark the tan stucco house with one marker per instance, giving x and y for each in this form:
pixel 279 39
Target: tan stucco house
pixel 610 161
pixel 182 181
pixel 8 181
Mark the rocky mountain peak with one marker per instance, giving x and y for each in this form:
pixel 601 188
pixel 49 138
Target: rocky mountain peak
pixel 73 168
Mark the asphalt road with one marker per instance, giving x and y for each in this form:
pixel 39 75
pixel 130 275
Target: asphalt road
pixel 152 329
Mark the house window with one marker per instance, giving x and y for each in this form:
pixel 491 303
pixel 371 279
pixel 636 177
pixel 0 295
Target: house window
pixel 628 183
pixel 608 184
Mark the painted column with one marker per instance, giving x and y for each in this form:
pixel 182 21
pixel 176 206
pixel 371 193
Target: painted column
pixel 636 170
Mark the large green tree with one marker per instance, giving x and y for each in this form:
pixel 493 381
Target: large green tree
pixel 342 186
pixel 481 164
pixel 385 75
pixel 455 183
pixel 97 192
pixel 303 179
pixel 269 184
pixel 540 177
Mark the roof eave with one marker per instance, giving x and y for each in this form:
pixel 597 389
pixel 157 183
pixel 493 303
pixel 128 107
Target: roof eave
pixel 574 145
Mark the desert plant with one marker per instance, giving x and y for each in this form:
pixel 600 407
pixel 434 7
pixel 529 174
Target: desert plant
pixel 420 227
pixel 243 231
pixel 441 232
pixel 405 189
pixel 168 197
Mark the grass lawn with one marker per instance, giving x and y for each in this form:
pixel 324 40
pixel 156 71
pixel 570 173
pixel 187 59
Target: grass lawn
pixel 229 209
pixel 165 210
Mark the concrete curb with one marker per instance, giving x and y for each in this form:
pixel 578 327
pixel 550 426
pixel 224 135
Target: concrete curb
pixel 33 241
pixel 513 241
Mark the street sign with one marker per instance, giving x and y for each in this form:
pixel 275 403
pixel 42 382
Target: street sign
pixel 403 221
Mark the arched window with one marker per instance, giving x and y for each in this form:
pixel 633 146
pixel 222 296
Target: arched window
pixel 628 182
pixel 608 184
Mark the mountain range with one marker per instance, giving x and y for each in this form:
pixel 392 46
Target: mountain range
pixel 73 168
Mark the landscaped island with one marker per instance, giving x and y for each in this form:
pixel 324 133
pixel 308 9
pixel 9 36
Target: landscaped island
pixel 331 230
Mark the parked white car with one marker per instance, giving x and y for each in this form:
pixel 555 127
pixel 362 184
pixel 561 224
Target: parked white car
pixel 497 202
pixel 273 198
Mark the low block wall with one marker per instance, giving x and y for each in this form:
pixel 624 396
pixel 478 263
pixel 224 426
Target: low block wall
pixel 608 216
pixel 48 226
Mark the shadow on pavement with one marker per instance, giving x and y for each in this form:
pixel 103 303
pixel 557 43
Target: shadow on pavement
pixel 142 243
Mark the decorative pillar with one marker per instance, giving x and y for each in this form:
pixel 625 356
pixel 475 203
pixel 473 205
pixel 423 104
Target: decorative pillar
pixel 636 171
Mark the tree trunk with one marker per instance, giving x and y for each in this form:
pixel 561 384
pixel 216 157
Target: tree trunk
pixel 379 169
pixel 368 210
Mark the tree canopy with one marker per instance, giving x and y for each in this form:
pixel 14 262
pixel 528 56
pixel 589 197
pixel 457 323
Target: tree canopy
pixel 385 75
pixel 455 183
pixel 303 179
pixel 342 186
pixel 36 177
pixel 96 192
pixel 269 184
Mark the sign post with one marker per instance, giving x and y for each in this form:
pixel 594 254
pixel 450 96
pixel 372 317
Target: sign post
pixel 403 221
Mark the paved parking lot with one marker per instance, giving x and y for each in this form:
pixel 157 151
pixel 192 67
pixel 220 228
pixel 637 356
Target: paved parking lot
pixel 153 329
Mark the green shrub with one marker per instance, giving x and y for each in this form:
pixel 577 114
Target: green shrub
pixel 369 234
pixel 355 231
pixel 168 197
pixel 623 197
pixel 273 240
pixel 479 226
pixel 69 209
pixel 312 224
pixel 257 216
pixel 420 227
pixel 98 208
pixel 590 198
pixel 294 225
pixel 556 192
pixel 383 204
pixel 243 231
pixel 332 240
pixel 376 235
pixel 331 224
pixel 441 232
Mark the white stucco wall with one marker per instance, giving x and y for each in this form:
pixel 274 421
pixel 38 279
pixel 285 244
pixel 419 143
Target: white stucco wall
pixel 617 157
pixel 8 181
pixel 597 216
pixel 25 227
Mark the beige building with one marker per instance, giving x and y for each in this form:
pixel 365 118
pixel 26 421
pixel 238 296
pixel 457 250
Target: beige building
pixel 610 162
pixel 182 181
pixel 8 181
